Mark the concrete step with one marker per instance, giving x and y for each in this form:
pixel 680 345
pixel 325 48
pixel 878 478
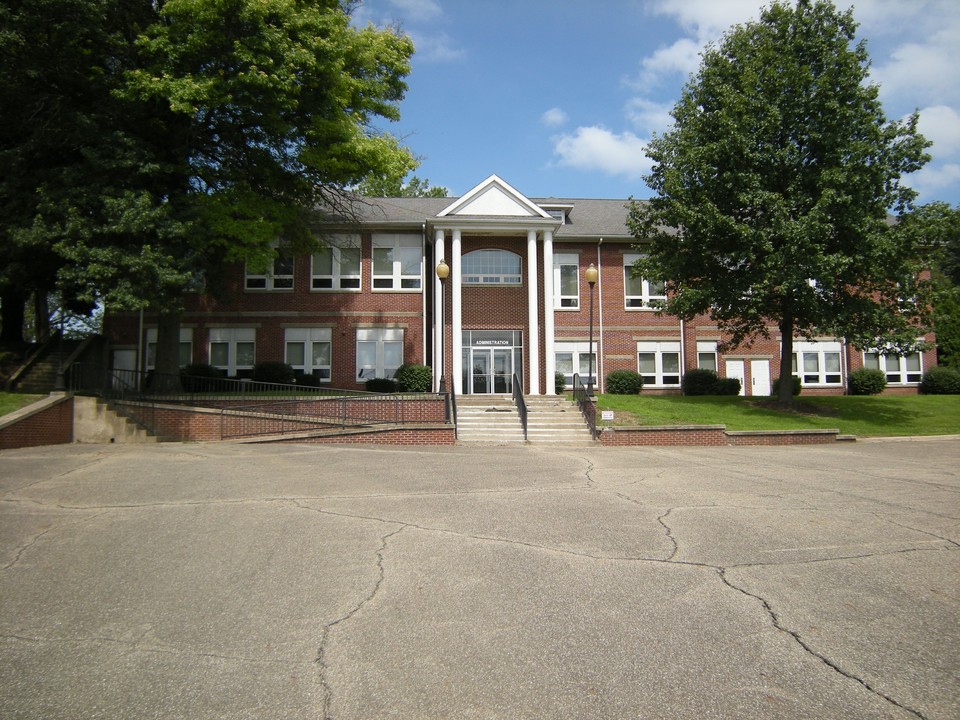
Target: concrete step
pixel 494 418
pixel 95 422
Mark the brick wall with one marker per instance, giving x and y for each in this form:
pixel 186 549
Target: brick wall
pixel 47 422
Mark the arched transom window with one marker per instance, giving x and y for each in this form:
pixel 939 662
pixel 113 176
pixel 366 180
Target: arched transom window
pixel 491 267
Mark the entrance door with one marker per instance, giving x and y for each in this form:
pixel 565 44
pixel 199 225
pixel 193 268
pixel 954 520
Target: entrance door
pixel 759 377
pixel 491 370
pixel 124 369
pixel 480 380
pixel 735 369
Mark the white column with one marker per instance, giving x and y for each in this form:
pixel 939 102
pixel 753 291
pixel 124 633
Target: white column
pixel 456 311
pixel 438 299
pixel 548 328
pixel 533 311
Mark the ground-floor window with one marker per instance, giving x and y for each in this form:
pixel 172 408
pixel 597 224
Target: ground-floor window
pixel 233 350
pixel 576 358
pixel 817 363
pixel 186 347
pixel 898 368
pixel 379 352
pixel 707 355
pixel 659 363
pixel 308 351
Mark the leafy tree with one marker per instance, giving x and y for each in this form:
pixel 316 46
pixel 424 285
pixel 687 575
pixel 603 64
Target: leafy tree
pixel 937 228
pixel 396 187
pixel 224 125
pixel 773 188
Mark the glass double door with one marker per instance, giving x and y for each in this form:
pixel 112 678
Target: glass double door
pixel 490 370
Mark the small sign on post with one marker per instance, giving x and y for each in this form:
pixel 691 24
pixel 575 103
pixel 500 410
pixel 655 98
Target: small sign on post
pixel 606 415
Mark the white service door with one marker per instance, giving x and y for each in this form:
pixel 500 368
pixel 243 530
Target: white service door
pixel 760 377
pixel 736 369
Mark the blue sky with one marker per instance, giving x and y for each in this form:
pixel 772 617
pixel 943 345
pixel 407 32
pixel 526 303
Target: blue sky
pixel 558 97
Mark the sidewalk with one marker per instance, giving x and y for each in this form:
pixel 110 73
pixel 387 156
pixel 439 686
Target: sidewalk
pixel 294 581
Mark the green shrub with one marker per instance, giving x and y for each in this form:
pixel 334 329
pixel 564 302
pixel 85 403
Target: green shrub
pixel 305 380
pixel 195 377
pixel 414 378
pixel 867 381
pixel 560 380
pixel 381 385
pixel 728 386
pixel 624 382
pixel 273 371
pixel 941 381
pixel 776 387
pixel 700 381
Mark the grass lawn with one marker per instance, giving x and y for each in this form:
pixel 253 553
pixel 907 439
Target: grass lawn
pixel 864 416
pixel 14 401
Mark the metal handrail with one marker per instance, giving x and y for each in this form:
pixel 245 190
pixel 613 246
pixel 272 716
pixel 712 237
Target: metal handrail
pixel 587 404
pixel 521 403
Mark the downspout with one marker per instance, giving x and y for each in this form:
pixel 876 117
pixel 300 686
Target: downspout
pixel 423 295
pixel 600 321
pixel 683 353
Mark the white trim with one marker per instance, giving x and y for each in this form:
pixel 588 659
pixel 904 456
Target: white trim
pixel 549 326
pixel 533 314
pixel 493 197
pixel 456 310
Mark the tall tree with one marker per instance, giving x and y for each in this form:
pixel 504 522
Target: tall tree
pixel 773 188
pixel 936 227
pixel 396 187
pixel 229 123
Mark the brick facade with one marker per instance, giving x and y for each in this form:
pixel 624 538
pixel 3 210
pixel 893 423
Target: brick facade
pixel 492 216
pixel 47 422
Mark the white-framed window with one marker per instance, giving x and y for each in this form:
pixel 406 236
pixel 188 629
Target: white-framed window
pixel 309 351
pixel 707 355
pixel 233 350
pixel 899 369
pixel 659 363
pixel 279 275
pixel 397 261
pixel 186 347
pixel 379 352
pixel 491 267
pixel 575 357
pixel 639 292
pixel 566 281
pixel 817 363
pixel 337 266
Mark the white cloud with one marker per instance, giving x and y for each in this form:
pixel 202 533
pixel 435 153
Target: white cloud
pixel 941 125
pixel 554 117
pixel 436 47
pixel 923 69
pixel 932 180
pixel 596 148
pixel 682 58
pixel 418 10
pixel 707 19
pixel 649 116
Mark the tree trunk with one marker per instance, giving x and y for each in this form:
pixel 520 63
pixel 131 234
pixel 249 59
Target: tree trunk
pixel 167 369
pixel 12 313
pixel 785 389
pixel 41 315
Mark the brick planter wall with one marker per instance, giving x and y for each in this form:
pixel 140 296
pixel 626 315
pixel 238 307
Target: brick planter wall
pixel 709 435
pixel 46 422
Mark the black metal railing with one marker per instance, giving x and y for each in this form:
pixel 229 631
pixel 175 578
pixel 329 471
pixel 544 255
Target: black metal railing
pixel 451 409
pixel 587 404
pixel 521 404
pixel 250 408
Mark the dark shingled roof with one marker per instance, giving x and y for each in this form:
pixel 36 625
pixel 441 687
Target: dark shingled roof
pixel 588 218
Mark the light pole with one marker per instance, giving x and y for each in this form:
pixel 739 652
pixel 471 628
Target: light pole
pixel 443 272
pixel 592 275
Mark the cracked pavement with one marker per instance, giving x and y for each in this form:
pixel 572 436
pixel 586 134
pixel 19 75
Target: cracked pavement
pixel 296 581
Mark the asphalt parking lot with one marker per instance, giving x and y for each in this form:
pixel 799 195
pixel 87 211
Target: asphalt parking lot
pixel 296 581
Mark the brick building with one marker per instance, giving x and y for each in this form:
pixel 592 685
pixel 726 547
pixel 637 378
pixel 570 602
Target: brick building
pixel 516 303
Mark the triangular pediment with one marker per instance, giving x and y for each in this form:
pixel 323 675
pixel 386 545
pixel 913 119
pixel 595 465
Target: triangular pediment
pixel 494 197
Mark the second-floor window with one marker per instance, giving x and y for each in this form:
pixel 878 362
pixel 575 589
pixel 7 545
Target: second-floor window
pixel 566 281
pixel 639 292
pixel 491 267
pixel 278 276
pixel 397 261
pixel 337 267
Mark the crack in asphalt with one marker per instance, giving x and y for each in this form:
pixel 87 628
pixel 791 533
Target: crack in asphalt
pixel 798 638
pixel 137 646
pixel 321 658
pixel 36 538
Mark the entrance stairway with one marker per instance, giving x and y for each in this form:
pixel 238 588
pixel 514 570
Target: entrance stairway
pixel 494 419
